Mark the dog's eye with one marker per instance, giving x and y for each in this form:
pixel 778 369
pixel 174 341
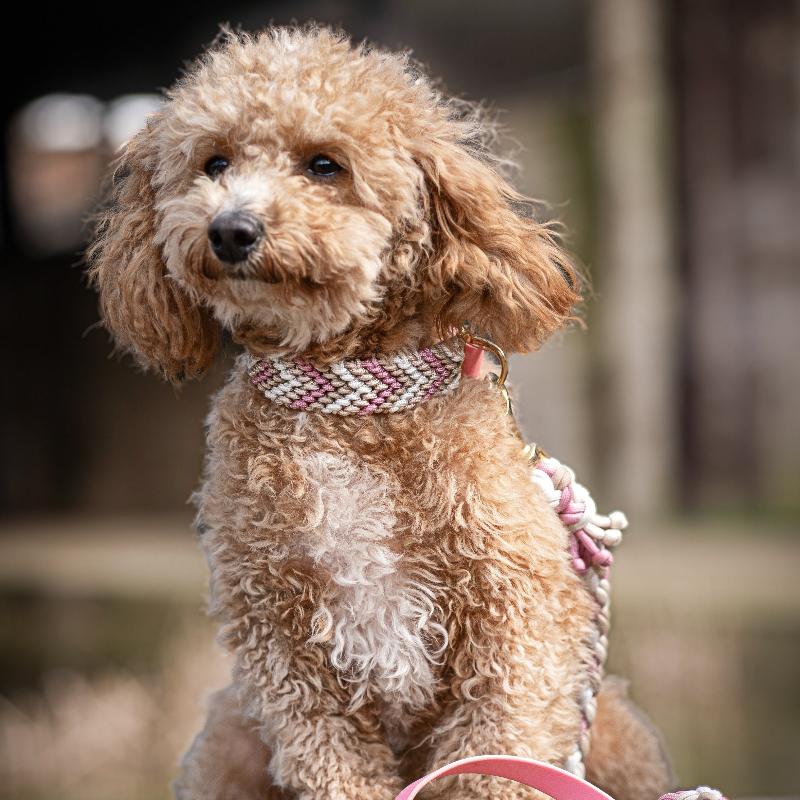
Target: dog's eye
pixel 323 167
pixel 215 166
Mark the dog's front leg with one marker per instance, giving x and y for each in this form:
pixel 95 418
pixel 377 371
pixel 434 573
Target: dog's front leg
pixel 325 757
pixel 517 663
pixel 321 747
pixel 486 726
pixel 503 720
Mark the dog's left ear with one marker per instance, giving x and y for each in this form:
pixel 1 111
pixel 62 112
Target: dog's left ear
pixel 496 267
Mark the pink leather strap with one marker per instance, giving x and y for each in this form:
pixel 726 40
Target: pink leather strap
pixel 471 365
pixel 560 785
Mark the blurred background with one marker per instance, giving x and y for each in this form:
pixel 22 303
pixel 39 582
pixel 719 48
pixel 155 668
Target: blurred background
pixel 666 135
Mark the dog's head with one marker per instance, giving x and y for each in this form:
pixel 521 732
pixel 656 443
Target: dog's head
pixel 315 197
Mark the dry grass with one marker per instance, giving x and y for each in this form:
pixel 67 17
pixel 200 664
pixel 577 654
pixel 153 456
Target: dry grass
pixel 116 736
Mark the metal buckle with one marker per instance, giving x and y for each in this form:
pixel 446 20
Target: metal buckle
pixel 532 451
pixel 466 335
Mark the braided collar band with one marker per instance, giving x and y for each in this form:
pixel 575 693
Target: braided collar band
pixel 379 385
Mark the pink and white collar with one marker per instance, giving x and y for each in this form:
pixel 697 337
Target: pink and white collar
pixel 378 385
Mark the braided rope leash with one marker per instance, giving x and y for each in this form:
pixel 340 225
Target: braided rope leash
pixel 591 537
pixel 378 385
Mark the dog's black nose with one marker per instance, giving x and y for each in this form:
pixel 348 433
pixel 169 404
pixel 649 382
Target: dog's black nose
pixel 233 235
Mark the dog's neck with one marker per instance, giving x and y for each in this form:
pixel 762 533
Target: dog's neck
pixel 382 384
pixel 401 326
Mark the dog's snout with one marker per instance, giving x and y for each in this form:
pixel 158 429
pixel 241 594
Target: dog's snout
pixel 233 235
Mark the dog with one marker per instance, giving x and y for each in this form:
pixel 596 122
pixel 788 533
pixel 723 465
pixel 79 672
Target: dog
pixel 395 591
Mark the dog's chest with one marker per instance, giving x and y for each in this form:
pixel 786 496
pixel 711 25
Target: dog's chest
pixel 378 620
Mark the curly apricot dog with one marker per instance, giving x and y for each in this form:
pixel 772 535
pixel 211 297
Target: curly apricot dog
pixel 396 593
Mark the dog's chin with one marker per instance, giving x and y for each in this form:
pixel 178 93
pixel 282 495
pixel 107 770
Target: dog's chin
pixel 259 271
pixel 283 315
pixel 239 275
pixel 242 294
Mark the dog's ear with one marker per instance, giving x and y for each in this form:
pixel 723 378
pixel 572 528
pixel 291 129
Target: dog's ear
pixel 147 312
pixel 497 267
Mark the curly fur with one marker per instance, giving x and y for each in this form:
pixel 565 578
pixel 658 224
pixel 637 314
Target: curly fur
pixel 396 594
pixel 380 625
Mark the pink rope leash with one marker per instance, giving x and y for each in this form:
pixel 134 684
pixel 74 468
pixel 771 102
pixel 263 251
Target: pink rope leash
pixel 558 783
pixel 591 537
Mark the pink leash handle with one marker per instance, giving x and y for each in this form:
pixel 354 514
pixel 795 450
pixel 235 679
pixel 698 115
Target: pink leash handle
pixel 559 784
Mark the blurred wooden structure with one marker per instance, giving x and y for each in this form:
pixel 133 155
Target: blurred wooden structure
pixel 667 137
pixel 692 352
pixel 636 348
pixel 737 69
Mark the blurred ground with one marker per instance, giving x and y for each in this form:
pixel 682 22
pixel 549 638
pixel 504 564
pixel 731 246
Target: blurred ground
pixel 106 655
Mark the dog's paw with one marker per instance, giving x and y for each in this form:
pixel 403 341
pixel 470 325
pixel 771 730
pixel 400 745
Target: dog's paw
pixel 354 789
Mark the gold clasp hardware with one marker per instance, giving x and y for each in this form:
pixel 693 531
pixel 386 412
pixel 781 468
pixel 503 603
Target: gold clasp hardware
pixel 499 380
pixel 532 452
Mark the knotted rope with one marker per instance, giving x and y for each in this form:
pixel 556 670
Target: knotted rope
pixel 591 535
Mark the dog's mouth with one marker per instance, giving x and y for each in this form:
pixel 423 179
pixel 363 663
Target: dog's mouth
pixel 260 269
pixel 243 273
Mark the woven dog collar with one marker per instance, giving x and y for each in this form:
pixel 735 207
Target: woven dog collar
pixel 379 385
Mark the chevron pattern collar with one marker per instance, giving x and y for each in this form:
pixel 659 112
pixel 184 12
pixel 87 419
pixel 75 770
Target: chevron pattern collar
pixel 379 385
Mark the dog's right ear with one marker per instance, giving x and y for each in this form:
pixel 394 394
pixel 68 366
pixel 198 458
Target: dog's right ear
pixel 147 312
pixel 495 267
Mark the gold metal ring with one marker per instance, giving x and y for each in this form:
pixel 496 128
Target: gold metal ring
pixel 487 344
